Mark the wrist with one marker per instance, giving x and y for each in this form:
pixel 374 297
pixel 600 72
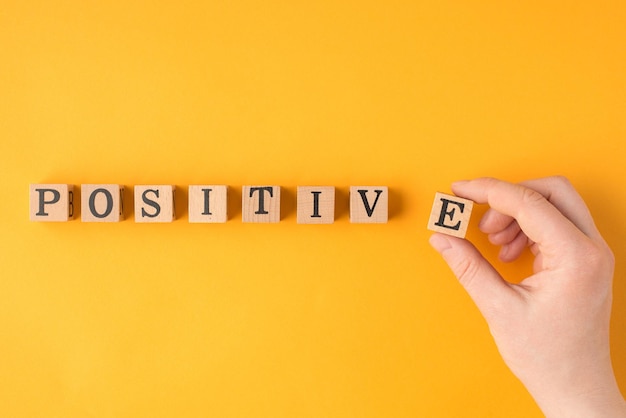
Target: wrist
pixel 599 402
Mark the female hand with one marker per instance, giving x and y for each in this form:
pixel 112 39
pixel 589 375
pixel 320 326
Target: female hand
pixel 552 329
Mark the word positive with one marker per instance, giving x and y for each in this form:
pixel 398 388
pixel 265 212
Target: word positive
pixel 207 203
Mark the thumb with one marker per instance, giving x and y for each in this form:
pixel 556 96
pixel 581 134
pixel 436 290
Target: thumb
pixel 483 283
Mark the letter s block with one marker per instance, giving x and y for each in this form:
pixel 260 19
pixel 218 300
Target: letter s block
pixel 51 202
pixel 102 202
pixel 450 215
pixel 154 203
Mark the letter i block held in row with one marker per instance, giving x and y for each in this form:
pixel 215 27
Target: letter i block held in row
pixel 316 205
pixel 260 204
pixel 208 204
pixel 369 204
pixel 102 202
pixel 450 215
pixel 51 202
pixel 154 203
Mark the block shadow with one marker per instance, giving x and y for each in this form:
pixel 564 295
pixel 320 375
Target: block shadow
pixel 181 207
pixel 396 203
pixel 234 202
pixel 287 202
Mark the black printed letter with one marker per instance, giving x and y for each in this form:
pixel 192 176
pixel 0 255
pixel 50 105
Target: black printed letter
pixel 152 203
pixel 56 196
pixel 369 209
pixel 261 210
pixel 92 203
pixel 450 213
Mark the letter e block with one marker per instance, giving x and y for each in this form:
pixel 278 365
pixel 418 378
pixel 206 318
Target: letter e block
pixel 316 205
pixel 450 215
pixel 260 204
pixel 208 204
pixel 369 204
pixel 51 202
pixel 102 202
pixel 154 203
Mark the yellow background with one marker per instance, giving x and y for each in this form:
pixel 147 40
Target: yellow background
pixel 285 320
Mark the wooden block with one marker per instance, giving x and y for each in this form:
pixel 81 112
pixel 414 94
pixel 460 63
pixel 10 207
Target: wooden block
pixel 260 204
pixel 102 202
pixel 369 204
pixel 51 202
pixel 316 205
pixel 208 204
pixel 155 203
pixel 450 215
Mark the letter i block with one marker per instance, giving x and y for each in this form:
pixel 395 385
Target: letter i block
pixel 450 215
pixel 369 204
pixel 208 204
pixel 51 202
pixel 154 203
pixel 102 202
pixel 316 205
pixel 260 204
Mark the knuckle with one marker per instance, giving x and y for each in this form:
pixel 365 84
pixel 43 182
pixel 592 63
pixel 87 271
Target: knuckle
pixel 561 180
pixel 466 271
pixel 531 197
pixel 598 258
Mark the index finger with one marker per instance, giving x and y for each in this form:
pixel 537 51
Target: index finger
pixel 541 221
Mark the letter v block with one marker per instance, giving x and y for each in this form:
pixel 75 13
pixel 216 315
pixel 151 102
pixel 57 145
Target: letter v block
pixel 208 204
pixel 260 204
pixel 154 203
pixel 51 202
pixel 102 202
pixel 316 205
pixel 450 215
pixel 369 204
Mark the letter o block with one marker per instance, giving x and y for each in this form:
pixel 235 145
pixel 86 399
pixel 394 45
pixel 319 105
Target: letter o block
pixel 102 202
pixel 51 202
pixel 155 203
pixel 450 215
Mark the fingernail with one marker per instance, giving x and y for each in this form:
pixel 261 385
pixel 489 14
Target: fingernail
pixel 439 242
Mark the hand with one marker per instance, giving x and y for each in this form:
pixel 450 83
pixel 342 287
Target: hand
pixel 552 329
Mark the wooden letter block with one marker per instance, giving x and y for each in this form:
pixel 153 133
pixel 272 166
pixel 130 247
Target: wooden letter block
pixel 450 215
pixel 208 204
pixel 51 202
pixel 260 204
pixel 316 205
pixel 154 203
pixel 369 204
pixel 102 202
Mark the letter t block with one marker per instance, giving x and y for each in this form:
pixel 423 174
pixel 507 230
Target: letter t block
pixel 260 204
pixel 450 215
pixel 51 202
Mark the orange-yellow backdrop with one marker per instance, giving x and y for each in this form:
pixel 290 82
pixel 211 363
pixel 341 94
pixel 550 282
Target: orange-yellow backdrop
pixel 285 320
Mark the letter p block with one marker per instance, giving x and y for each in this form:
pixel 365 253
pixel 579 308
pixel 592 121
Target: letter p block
pixel 51 202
